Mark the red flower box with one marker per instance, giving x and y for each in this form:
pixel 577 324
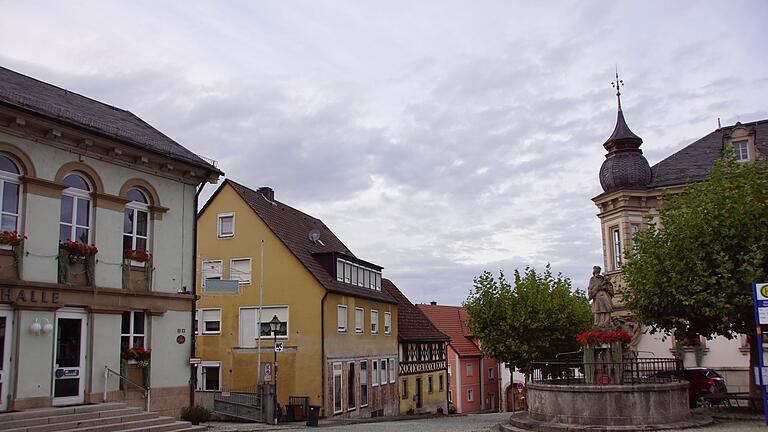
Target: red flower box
pixel 598 336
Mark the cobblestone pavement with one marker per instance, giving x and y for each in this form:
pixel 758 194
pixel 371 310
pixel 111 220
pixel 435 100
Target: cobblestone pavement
pixel 468 423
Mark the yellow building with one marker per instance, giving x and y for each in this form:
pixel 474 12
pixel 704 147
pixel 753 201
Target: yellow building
pixel 423 383
pixel 338 327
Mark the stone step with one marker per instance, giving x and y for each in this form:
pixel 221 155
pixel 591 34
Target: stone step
pixel 50 422
pixel 154 421
pixel 57 411
pixel 174 426
pixel 130 415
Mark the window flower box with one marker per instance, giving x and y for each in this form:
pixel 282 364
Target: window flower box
pixel 134 365
pixel 77 263
pixel 11 253
pixel 137 270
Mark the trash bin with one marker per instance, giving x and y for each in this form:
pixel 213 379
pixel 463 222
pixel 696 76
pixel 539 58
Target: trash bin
pixel 289 412
pixel 312 415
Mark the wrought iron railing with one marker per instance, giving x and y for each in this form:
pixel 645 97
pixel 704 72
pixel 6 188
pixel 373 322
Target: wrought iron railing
pixel 146 390
pixel 632 371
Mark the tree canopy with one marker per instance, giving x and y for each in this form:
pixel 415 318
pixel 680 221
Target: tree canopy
pixel 534 319
pixel 692 274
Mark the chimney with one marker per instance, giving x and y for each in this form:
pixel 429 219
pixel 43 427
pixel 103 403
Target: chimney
pixel 433 303
pixel 267 192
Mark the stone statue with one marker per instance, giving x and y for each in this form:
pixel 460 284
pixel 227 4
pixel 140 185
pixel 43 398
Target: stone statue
pixel 600 291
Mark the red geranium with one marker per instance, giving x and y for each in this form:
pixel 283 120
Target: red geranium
pixel 11 238
pixel 139 354
pixel 598 336
pixel 139 255
pixel 79 249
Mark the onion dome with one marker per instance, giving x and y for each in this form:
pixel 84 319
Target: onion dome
pixel 624 165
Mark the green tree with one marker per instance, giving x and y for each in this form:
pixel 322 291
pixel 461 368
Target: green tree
pixel 535 319
pixel 692 275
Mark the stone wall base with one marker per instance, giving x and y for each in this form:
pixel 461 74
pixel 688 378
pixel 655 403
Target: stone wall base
pixel 166 401
pixel 29 403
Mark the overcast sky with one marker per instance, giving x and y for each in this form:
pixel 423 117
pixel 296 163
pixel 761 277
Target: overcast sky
pixel 437 139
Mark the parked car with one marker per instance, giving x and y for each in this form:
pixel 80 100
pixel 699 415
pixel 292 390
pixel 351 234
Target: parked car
pixel 703 382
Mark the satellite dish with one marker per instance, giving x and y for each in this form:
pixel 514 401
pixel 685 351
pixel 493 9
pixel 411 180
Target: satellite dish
pixel 314 235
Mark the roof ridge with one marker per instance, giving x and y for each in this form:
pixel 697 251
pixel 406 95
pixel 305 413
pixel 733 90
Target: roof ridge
pixel 66 90
pixel 277 202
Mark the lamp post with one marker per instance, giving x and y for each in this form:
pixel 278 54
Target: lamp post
pixel 274 325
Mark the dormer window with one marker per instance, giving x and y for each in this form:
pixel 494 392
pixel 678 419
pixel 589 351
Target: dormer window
pixel 741 148
pixel 359 275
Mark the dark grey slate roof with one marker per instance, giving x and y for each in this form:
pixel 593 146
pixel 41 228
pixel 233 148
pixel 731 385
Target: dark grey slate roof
pixel 694 161
pixel 622 132
pixel 47 100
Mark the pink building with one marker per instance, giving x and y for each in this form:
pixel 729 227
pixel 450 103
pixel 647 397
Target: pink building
pixel 473 379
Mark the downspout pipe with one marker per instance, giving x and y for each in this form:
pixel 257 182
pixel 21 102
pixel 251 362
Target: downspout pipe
pixel 322 349
pixel 193 315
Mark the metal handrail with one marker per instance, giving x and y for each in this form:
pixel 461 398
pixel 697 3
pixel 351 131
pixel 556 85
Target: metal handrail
pixel 108 371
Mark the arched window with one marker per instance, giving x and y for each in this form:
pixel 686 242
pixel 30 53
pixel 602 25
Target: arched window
pixel 136 221
pixel 10 188
pixel 75 217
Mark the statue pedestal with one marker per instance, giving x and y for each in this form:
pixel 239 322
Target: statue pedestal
pixel 604 364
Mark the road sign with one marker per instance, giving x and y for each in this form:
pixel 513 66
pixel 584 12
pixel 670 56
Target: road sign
pixel 761 303
pixel 279 347
pixel 194 361
pixel 267 368
pixel 760 295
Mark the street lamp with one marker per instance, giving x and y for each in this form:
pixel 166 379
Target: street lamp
pixel 274 325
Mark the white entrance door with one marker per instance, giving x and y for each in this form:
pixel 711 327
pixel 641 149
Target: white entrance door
pixel 69 368
pixel 6 330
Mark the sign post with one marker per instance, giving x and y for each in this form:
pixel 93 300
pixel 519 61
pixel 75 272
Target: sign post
pixel 760 294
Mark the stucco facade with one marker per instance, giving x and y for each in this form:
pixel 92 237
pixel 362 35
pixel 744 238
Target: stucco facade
pixel 61 332
pixel 316 351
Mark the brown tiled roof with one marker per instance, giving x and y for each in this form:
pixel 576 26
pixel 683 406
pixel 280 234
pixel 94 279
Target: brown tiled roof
pixel 292 227
pixel 694 161
pixel 26 93
pixel 451 321
pixel 412 324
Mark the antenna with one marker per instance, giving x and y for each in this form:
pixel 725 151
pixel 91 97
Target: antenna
pixel 314 235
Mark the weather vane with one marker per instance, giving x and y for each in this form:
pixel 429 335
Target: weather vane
pixel 618 84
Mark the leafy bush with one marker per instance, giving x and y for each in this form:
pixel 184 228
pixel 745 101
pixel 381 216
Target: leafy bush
pixel 195 414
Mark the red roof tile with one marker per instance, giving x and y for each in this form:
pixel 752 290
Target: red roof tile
pixel 451 320
pixel 412 324
pixel 292 227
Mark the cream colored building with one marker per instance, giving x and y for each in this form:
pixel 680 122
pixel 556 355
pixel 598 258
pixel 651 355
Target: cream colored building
pixel 633 190
pixel 73 168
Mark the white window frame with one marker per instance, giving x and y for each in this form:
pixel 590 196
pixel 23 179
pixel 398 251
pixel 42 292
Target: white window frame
pixel 374 322
pixel 204 275
pixel 470 370
pixel 135 207
pixel 77 195
pixel 490 373
pixel 616 246
pixel 470 395
pixel 267 312
pixel 387 323
pixel 338 372
pixel 200 374
pixel 737 145
pixel 219 217
pixel 238 274
pixel 202 329
pixel 359 320
pixel 9 177
pixel 391 370
pixel 374 373
pixel 342 316
pixel 131 329
pixel 364 382
pixel 383 371
pixel 351 386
